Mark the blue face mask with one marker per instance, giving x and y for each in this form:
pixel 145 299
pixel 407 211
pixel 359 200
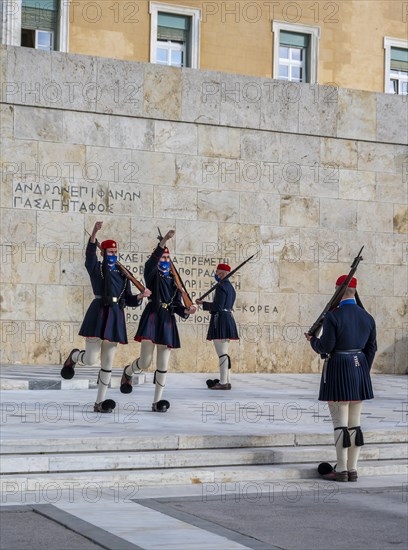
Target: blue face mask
pixel 218 279
pixel 165 266
pixel 111 261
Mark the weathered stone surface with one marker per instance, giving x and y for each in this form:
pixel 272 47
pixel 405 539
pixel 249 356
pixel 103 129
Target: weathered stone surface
pixel 262 145
pixel 162 92
pixel 17 302
pixel 240 101
pixel 318 108
pixel 37 124
pixel 393 187
pixel 400 219
pixel 381 157
pixel 173 137
pixel 216 141
pixel 357 185
pixel 67 304
pixel 201 96
pixel 339 154
pixel 280 106
pixel 18 227
pixel 391 312
pixel 259 208
pixel 196 237
pixel 170 202
pixel 338 214
pixel 86 128
pixel 392 118
pixel 218 206
pixel 299 211
pixel 400 280
pixel 120 87
pixel 391 249
pixel 131 133
pixel 294 276
pixel 356 114
pixel 374 216
pixel 6 120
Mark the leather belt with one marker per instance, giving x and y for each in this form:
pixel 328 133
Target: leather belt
pixel 162 304
pixel 114 298
pixel 347 351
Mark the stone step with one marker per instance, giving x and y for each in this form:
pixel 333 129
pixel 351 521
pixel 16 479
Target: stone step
pixel 132 480
pixel 188 441
pixel 75 462
pixel 58 383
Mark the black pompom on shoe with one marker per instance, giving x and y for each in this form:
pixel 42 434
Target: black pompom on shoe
pixel 210 383
pixel 161 406
pixel 106 406
pixel 324 468
pixel 126 385
pixel 68 371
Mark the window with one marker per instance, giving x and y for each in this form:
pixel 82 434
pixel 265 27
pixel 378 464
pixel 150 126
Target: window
pixel 295 52
pixel 174 35
pixel 396 66
pixel 39 24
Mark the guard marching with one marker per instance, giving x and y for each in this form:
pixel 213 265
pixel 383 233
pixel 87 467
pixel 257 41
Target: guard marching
pixel 222 327
pixel 349 340
pixel 157 325
pixel 104 322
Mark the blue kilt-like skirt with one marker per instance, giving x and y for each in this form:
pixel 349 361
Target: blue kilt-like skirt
pixel 159 327
pixel 222 326
pixel 343 380
pixel 104 322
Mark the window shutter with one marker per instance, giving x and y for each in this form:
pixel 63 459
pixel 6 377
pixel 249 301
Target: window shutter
pixel 293 39
pixel 40 15
pixel 399 59
pixel 173 27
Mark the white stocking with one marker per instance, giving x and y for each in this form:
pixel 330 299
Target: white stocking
pixel 221 347
pixel 353 422
pixel 91 354
pixel 107 356
pixel 143 362
pixel 339 413
pixel 163 357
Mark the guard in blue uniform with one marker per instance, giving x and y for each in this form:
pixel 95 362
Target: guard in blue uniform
pixel 222 327
pixel 349 344
pixel 157 325
pixel 104 323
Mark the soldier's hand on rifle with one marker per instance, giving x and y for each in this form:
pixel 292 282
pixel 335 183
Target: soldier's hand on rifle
pixel 190 310
pixel 199 302
pixel 145 294
pixel 97 227
pixel 308 336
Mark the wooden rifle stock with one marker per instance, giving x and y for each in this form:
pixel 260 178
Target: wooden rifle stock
pixel 337 296
pixel 178 280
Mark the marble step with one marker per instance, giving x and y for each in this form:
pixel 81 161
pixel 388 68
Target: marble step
pixel 58 383
pixel 132 480
pixel 70 462
pixel 188 441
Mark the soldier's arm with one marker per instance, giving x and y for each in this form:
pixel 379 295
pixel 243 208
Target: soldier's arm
pixel 219 302
pixel 371 346
pixel 327 342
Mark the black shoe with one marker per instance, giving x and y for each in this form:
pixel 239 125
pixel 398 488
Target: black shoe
pixel 210 383
pixel 126 384
pixel 106 406
pixel 161 406
pixel 68 370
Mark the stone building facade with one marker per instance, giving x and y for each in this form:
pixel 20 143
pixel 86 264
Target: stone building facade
pixel 302 174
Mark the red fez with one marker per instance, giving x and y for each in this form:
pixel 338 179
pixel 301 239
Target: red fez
pixel 352 283
pixel 224 267
pixel 108 244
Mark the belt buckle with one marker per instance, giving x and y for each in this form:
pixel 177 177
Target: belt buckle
pixel 114 299
pixel 165 306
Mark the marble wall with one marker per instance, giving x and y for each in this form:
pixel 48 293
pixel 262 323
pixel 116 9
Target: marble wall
pixel 304 175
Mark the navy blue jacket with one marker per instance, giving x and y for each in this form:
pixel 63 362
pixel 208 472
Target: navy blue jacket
pixel 158 323
pixel 222 323
pixel 346 377
pixel 106 322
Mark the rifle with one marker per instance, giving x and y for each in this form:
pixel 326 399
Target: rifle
pixel 125 271
pixel 178 280
pixel 337 296
pixel 226 277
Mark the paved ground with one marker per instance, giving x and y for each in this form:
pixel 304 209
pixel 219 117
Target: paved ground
pixel 299 515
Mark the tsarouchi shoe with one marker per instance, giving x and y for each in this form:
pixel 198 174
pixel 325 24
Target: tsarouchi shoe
pixel 106 406
pixel 219 386
pixel 352 475
pixel 126 384
pixel 336 476
pixel 68 371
